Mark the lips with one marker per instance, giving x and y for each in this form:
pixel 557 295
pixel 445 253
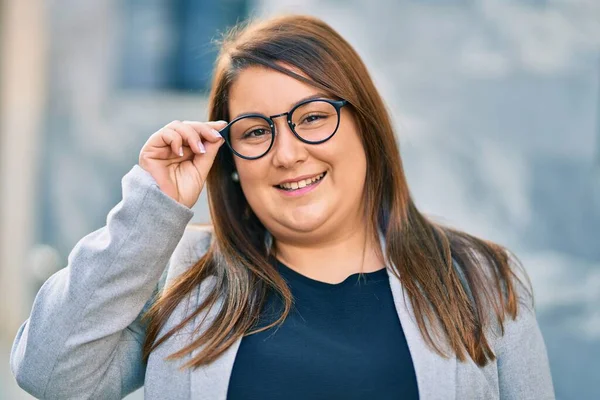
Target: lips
pixel 301 183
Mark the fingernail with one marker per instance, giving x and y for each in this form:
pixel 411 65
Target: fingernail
pixel 181 151
pixel 216 133
pixel 201 147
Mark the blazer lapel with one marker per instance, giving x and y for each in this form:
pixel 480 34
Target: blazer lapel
pixel 211 381
pixel 436 376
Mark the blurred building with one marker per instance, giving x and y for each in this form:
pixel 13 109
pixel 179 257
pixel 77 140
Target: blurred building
pixel 496 105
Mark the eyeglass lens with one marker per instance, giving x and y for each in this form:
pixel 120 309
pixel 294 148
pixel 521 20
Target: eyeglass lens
pixel 314 121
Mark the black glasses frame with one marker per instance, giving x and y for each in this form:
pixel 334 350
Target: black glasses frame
pixel 337 104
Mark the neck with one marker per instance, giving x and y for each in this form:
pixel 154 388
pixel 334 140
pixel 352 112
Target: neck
pixel 332 261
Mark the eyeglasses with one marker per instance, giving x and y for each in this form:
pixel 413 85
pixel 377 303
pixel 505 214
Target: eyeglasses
pixel 313 121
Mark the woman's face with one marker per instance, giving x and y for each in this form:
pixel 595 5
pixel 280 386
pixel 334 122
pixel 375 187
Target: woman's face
pixel 333 204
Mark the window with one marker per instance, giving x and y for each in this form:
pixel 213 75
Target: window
pixel 168 44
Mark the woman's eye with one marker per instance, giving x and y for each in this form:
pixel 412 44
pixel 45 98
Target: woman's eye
pixel 312 118
pixel 256 133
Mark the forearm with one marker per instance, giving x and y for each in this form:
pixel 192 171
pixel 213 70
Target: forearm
pixel 82 312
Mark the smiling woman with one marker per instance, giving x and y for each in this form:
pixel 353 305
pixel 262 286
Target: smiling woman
pixel 305 146
pixel 319 268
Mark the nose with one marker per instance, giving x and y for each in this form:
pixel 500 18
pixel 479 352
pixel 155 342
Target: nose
pixel 287 150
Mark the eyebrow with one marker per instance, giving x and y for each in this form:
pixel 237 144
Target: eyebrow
pixel 319 95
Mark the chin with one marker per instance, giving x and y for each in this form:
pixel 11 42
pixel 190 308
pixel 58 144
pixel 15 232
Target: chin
pixel 295 226
pixel 305 219
pixel 301 219
pixel 304 226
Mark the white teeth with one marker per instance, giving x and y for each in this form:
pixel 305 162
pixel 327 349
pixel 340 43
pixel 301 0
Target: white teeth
pixel 302 183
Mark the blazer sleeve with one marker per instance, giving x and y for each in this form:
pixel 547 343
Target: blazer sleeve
pixel 83 338
pixel 523 367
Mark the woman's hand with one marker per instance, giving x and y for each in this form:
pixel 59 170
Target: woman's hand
pixel 179 157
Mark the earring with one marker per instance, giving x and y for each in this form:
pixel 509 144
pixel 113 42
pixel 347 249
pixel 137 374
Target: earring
pixel 235 177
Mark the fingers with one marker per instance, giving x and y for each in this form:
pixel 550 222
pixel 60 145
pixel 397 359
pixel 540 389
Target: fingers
pixel 192 134
pixel 173 140
pixel 189 135
pixel 208 130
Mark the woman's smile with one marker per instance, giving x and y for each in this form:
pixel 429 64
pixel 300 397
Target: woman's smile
pixel 299 187
pixel 294 189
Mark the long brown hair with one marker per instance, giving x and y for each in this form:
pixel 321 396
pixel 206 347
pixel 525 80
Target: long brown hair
pixel 459 286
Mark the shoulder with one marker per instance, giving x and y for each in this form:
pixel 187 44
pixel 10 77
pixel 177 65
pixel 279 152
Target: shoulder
pixel 193 245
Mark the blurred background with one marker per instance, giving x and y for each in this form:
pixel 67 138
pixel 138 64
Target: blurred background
pixel 496 105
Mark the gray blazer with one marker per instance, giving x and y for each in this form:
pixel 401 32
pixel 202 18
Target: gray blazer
pixel 84 337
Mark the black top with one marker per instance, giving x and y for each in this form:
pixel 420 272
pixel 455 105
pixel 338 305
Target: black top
pixel 340 341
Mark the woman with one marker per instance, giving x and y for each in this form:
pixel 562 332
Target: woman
pixel 319 279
